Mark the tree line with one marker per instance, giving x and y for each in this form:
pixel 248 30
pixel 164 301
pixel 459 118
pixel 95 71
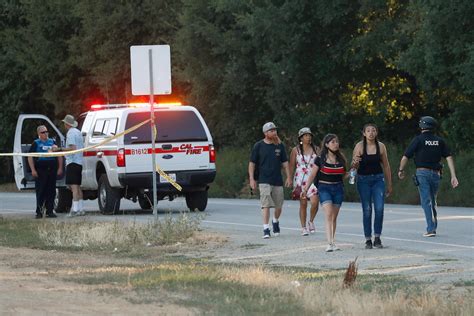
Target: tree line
pixel 330 65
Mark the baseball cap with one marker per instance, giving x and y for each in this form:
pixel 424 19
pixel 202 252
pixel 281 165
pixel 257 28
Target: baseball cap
pixel 268 126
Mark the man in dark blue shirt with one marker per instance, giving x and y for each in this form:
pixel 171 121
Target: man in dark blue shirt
pixel 268 157
pixel 427 150
pixel 44 170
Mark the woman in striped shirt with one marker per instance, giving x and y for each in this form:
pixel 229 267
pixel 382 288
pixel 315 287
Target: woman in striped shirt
pixel 330 169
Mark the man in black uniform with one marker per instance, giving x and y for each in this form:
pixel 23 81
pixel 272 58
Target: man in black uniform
pixel 44 170
pixel 428 149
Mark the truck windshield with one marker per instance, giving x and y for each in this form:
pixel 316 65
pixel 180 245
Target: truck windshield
pixel 172 126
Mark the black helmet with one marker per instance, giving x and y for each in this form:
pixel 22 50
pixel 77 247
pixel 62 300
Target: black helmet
pixel 427 122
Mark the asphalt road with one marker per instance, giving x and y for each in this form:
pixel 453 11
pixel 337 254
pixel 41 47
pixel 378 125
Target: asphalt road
pixel 445 258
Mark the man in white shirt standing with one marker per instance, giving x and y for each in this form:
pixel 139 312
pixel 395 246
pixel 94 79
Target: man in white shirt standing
pixel 74 164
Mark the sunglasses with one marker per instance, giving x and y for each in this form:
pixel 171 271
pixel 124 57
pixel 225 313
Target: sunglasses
pixel 44 132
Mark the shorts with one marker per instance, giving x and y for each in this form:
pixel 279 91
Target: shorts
pixel 73 174
pixel 270 195
pixel 331 193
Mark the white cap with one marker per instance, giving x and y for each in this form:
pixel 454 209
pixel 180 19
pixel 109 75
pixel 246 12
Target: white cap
pixel 268 126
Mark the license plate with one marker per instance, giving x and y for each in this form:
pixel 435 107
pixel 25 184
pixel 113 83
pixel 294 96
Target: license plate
pixel 171 175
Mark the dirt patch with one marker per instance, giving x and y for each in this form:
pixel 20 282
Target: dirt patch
pixel 32 282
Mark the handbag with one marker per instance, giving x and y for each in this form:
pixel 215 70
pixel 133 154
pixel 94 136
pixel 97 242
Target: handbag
pixel 296 193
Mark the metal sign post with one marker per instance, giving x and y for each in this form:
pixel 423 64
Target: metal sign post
pixel 152 129
pixel 151 74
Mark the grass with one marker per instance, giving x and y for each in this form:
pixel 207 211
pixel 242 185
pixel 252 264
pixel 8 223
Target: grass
pixel 89 235
pixel 211 288
pixel 242 290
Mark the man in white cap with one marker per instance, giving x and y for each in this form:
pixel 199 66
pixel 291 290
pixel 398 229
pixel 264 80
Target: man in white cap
pixel 74 164
pixel 267 158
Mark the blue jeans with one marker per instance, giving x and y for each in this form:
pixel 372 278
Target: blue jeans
pixel 331 193
pixel 428 189
pixel 372 190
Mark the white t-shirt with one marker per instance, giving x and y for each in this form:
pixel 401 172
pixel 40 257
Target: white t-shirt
pixel 74 137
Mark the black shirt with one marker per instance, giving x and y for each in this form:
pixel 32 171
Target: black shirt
pixel 370 164
pixel 329 172
pixel 268 159
pixel 428 150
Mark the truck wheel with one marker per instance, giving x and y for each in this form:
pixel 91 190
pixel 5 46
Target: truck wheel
pixel 145 201
pixel 109 198
pixel 196 200
pixel 63 200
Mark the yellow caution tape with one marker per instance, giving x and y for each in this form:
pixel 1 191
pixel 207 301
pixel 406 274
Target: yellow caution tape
pixel 168 178
pixel 76 151
pixel 108 140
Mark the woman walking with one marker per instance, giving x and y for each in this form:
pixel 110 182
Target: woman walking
pixel 301 161
pixel 373 171
pixel 330 168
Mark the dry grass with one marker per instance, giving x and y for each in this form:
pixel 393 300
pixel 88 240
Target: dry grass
pixel 117 235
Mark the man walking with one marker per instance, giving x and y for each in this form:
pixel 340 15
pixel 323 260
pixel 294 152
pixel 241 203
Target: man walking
pixel 427 150
pixel 44 170
pixel 266 160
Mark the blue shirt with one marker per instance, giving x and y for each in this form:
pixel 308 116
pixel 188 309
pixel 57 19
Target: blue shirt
pixel 40 146
pixel 74 137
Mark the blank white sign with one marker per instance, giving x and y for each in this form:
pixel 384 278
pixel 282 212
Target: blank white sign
pixel 140 66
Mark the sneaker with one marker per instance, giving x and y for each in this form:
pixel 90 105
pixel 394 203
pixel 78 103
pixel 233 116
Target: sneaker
pixel 51 215
pixel 311 227
pixel 276 228
pixel 266 233
pixel 429 234
pixel 73 214
pixel 334 247
pixel 329 248
pixel 378 243
pixel 304 232
pixel 368 244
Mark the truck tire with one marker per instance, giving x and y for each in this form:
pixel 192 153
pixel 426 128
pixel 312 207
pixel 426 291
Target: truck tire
pixel 196 200
pixel 109 198
pixel 63 200
pixel 145 201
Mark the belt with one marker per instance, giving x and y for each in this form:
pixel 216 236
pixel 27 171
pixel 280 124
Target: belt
pixel 428 169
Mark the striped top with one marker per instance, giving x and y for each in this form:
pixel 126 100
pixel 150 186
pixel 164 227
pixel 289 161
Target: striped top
pixel 328 172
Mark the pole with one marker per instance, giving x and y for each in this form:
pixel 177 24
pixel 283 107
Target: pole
pixel 152 125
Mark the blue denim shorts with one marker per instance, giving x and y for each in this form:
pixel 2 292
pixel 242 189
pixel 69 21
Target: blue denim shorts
pixel 331 193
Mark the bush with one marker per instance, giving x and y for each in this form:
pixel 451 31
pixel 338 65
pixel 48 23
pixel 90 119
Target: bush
pixel 232 178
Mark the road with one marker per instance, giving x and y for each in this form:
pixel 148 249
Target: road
pixel 446 258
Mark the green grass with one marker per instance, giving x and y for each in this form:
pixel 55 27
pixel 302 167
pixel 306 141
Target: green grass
pixel 464 283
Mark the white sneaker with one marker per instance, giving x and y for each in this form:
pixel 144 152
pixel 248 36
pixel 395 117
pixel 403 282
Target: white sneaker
pixel 304 232
pixel 73 214
pixel 334 247
pixel 329 248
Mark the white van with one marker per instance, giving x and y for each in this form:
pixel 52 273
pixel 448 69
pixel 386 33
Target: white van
pixel 122 168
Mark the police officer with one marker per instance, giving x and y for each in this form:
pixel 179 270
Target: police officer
pixel 427 150
pixel 44 170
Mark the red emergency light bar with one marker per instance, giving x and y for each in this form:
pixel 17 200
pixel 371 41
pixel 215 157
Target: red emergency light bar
pixel 98 107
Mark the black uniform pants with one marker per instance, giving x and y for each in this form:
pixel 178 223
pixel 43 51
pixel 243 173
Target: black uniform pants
pixel 45 185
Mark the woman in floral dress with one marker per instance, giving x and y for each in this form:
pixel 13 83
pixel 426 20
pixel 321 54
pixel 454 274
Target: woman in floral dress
pixel 301 161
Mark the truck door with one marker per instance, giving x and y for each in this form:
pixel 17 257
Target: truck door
pixel 25 134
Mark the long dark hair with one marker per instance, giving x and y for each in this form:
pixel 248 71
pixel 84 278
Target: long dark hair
pixel 324 150
pixel 364 139
pixel 300 145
